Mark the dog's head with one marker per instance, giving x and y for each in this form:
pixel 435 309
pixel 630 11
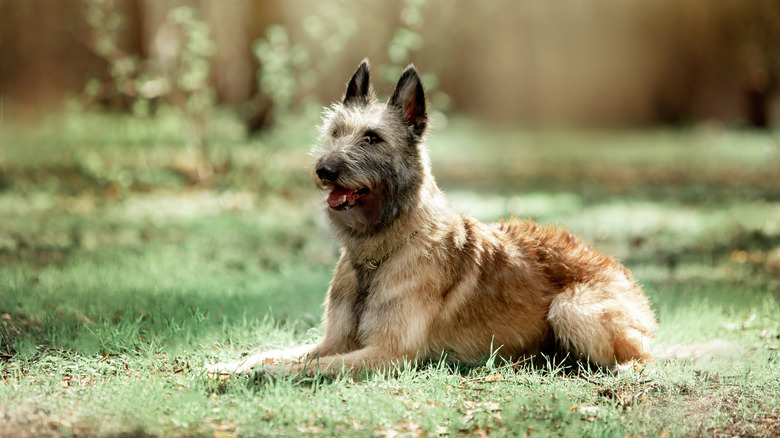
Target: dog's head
pixel 370 157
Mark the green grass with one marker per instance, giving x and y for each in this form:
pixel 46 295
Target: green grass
pixel 121 276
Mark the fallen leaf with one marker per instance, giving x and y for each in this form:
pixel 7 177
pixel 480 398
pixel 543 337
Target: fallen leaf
pixel 588 412
pixel 411 405
pixel 310 428
pixel 402 427
pixel 491 406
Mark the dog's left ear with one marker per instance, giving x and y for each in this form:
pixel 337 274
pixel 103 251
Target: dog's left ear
pixel 409 97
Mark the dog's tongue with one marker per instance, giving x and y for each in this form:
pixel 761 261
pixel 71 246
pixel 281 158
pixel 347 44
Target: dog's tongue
pixel 338 196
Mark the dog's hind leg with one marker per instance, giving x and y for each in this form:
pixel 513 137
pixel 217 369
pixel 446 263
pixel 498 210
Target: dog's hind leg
pixel 606 323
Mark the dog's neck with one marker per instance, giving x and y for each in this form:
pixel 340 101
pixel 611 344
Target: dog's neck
pixel 429 203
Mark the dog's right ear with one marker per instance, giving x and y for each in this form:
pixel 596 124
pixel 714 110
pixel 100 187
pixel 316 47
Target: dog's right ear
pixel 359 88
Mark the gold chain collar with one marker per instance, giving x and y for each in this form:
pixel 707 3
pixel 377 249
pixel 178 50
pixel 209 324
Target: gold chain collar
pixel 373 264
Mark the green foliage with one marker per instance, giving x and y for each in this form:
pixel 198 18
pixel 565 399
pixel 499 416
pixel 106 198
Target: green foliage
pixel 406 40
pixel 292 61
pixel 288 70
pixel 177 75
pixel 192 69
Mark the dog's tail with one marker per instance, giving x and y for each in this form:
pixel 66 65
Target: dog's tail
pixel 605 323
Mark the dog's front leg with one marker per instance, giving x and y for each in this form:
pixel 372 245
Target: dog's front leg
pixel 339 321
pixel 356 362
pixel 394 331
pixel 339 326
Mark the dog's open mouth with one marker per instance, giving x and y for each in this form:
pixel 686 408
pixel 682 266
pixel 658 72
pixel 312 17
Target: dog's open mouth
pixel 342 198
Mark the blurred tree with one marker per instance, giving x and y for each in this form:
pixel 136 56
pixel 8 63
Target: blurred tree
pixel 232 64
pixel 42 56
pixel 761 53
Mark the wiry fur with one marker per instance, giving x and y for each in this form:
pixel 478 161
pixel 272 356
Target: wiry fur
pixel 457 285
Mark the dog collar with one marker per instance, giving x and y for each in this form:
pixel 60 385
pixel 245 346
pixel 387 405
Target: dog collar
pixel 373 264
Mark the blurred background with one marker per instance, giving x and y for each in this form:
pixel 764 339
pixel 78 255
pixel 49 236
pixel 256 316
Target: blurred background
pixel 605 62
pixel 154 168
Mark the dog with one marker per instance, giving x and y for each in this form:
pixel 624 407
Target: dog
pixel 418 280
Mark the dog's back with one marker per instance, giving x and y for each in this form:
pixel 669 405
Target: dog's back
pixel 516 286
pixel 597 311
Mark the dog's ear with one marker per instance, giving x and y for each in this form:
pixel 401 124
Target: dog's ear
pixel 409 97
pixel 359 88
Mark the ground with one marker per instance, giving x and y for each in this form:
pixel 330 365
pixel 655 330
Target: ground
pixel 127 262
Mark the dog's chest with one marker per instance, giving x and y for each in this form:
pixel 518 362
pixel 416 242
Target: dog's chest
pixel 365 281
pixel 378 301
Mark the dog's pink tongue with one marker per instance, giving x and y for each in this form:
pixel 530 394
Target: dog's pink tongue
pixel 338 196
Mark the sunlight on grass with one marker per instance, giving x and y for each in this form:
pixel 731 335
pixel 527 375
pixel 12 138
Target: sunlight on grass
pixel 122 275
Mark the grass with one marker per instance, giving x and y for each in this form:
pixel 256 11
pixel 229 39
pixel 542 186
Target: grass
pixel 121 276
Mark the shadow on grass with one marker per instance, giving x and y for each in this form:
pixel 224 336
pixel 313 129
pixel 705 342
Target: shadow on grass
pixel 149 301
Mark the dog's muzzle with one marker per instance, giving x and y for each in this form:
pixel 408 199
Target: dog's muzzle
pixel 340 197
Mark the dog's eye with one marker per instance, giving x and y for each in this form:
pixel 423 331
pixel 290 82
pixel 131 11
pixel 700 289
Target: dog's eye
pixel 334 132
pixel 371 137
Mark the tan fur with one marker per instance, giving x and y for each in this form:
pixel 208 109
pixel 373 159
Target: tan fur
pixel 464 287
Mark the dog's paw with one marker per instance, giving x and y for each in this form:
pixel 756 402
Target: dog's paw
pixel 243 368
pixel 227 370
pixel 260 364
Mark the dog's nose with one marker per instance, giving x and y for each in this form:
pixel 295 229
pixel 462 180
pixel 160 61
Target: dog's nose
pixel 327 172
